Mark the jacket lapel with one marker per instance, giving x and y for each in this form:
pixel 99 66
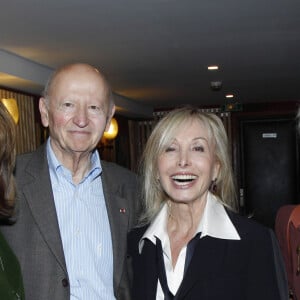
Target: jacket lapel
pixel 117 211
pixel 39 196
pixel 205 264
pixel 146 273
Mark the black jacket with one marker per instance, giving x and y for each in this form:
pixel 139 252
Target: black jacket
pixel 247 269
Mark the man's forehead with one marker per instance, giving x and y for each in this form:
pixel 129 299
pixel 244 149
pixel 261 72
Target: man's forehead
pixel 78 79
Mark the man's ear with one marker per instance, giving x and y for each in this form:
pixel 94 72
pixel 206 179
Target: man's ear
pixel 44 111
pixel 112 112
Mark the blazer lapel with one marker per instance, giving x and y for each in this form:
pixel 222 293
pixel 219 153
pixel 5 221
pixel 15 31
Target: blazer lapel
pixel 208 258
pixel 146 273
pixel 117 211
pixel 39 196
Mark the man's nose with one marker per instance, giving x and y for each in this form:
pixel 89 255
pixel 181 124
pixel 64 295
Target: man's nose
pixel 81 118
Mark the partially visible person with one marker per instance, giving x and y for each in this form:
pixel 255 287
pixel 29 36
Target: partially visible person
pixel 11 283
pixel 288 234
pixel 74 210
pixel 191 243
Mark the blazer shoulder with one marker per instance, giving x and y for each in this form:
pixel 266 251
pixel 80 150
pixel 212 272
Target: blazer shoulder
pixel 248 227
pixel 37 155
pixel 118 173
pixel 31 165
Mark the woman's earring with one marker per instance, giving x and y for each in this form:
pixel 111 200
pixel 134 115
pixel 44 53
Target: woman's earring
pixel 213 186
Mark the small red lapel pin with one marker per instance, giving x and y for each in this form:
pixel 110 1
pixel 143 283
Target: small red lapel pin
pixel 122 210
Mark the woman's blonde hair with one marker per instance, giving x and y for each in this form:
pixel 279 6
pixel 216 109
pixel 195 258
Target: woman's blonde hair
pixel 7 163
pixel 161 137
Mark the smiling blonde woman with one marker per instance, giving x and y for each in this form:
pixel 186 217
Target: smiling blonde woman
pixel 191 243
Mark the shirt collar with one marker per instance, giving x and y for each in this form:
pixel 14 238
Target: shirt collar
pixel 56 166
pixel 215 223
pixel 157 229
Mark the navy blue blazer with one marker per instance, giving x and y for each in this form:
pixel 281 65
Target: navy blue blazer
pixel 247 269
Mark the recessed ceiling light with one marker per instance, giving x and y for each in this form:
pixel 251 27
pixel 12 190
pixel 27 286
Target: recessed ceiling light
pixel 213 67
pixel 229 96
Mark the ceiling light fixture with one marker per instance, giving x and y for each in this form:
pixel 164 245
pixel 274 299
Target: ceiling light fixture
pixel 213 67
pixel 231 104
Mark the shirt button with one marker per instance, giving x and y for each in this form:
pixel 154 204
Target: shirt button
pixel 65 282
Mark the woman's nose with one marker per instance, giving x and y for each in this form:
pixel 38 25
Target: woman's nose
pixel 183 159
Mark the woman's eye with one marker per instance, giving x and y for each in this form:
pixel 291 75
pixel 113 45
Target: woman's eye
pixel 198 148
pixel 170 149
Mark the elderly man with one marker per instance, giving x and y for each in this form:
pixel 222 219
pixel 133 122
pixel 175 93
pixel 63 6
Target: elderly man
pixel 74 211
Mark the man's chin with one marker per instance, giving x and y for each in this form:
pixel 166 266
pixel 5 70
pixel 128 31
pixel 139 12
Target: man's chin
pixel 79 149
